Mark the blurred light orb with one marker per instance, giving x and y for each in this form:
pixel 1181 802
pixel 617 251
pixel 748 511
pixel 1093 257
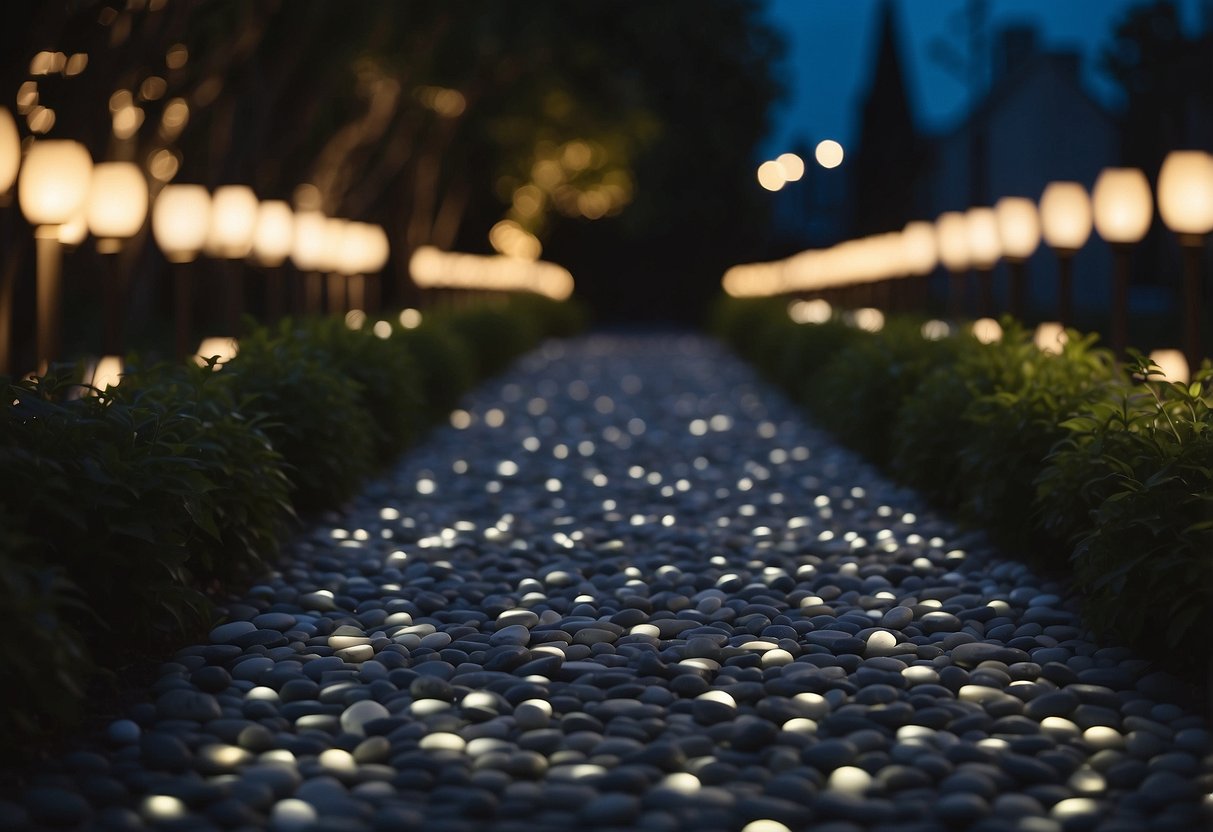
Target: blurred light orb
pixel 10 150
pixel 224 349
pixel 1018 226
pixel 1050 337
pixel 829 153
pixel 987 330
pixel 1185 192
pixel 180 219
pixel 869 319
pixel 273 233
pixel 1065 215
pixel 410 318
pixel 1173 364
pixel 73 232
pixel 233 221
pixel 1123 205
pixel 815 311
pixel 53 182
pixel 771 176
pixel 792 165
pixel 117 203
pixel 936 330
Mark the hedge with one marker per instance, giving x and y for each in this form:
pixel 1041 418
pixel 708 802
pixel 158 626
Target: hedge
pixel 1070 460
pixel 123 512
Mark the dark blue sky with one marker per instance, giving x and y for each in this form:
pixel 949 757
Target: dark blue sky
pixel 831 45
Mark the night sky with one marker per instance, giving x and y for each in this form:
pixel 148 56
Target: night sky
pixel 831 45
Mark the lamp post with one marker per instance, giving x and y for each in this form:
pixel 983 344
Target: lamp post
pixel 51 189
pixel 115 211
pixel 1123 210
pixel 180 222
pixel 1185 200
pixel 10 163
pixel 953 238
pixel 1065 220
pixel 985 248
pixel 307 253
pixel 233 220
pixel 920 254
pixel 273 236
pixel 1019 232
pixel 331 264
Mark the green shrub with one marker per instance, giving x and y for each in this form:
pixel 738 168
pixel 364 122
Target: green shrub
pixel 313 414
pixel 47 668
pixel 386 373
pixel 444 364
pixel 1131 485
pixel 105 490
pixel 860 390
pixel 1016 424
pixel 494 336
pixel 245 510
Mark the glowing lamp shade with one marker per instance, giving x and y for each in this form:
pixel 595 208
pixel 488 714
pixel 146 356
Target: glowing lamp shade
pixel 920 251
pixel 1173 364
pixel 1065 215
pixel 1123 205
pixel 1018 226
pixel 117 203
pixel 233 221
pixel 376 249
pixel 73 232
pixel 331 254
pixel 10 150
pixel 180 220
pixel 985 246
pixel 53 184
pixel 952 234
pixel 274 232
pixel 307 250
pixel 1185 192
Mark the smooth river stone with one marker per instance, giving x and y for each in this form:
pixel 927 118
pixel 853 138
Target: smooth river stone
pixel 356 716
pixel 974 653
pixel 513 634
pixel 187 704
pixel 226 633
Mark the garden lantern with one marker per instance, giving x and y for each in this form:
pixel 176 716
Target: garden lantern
pixel 180 223
pixel 985 247
pixel 1123 210
pixel 1019 230
pixel 273 238
pixel 115 211
pixel 952 234
pixel 1065 221
pixel 51 189
pixel 1185 200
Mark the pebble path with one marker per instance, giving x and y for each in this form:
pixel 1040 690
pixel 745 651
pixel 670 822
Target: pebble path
pixel 628 587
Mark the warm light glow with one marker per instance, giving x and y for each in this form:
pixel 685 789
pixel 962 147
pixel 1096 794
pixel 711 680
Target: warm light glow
pixel 224 348
pixel 330 251
pixel 1122 205
pixel 952 234
pixel 935 330
pixel 363 249
pixel 792 166
pixel 355 319
pixel 987 330
pixel 273 233
pixel 984 244
pixel 307 249
pixel 10 150
pixel 771 176
pixel 117 203
pixel 410 318
pixel 816 311
pixel 180 219
pixel 1173 364
pixel 435 269
pixel 108 372
pixel 53 182
pixel 1018 226
pixel 233 220
pixel 1065 215
pixel 869 319
pixel 829 153
pixel 920 252
pixel 73 232
pixel 511 239
pixel 1050 337
pixel 1185 192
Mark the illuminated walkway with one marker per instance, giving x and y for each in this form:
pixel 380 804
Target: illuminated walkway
pixel 629 588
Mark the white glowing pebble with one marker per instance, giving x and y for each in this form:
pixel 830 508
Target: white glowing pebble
pixel 1088 781
pixel 1101 737
pixel 161 807
pixel 765 825
pixel 719 696
pixel 533 714
pixel 849 780
pixel 918 674
pixel 1059 728
pixel 292 814
pixel 881 643
pixel 800 725
pixel 338 761
pixel 442 741
pixel 356 716
pixel 428 707
pixel 645 630
pixel 776 658
pixel 262 694
pixel 682 782
pixel 1073 807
